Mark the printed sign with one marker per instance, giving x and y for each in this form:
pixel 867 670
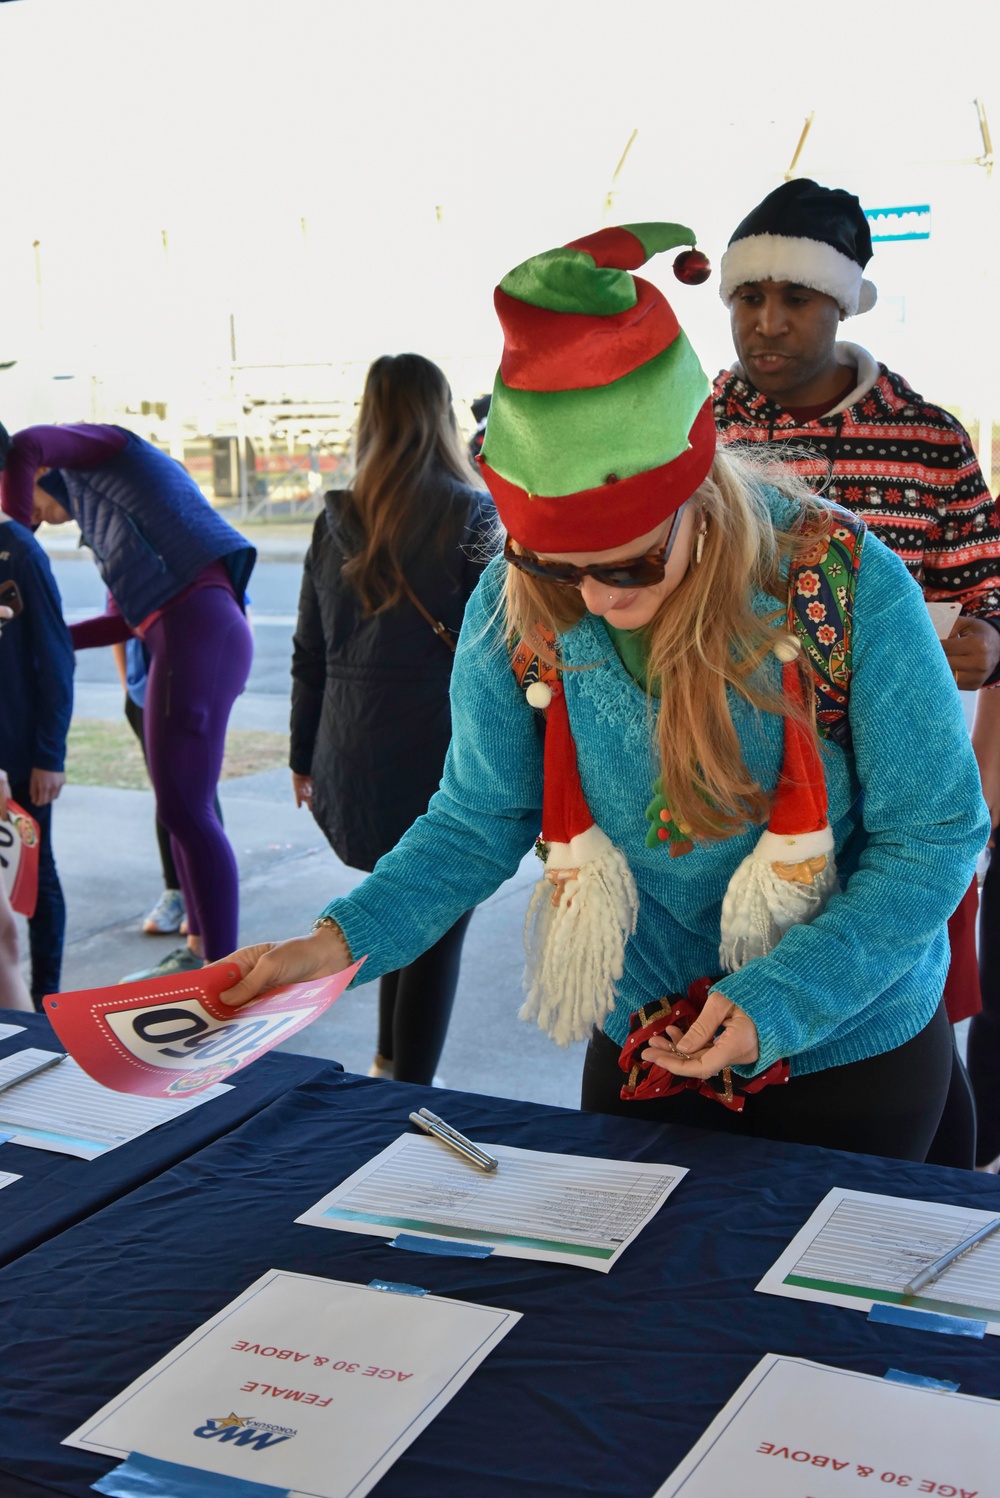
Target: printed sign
pixel 19 858
pixel 303 1384
pixel 170 1037
pixel 910 222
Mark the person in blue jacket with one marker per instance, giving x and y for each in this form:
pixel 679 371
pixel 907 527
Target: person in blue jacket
pixel 177 574
pixel 757 797
pixel 36 704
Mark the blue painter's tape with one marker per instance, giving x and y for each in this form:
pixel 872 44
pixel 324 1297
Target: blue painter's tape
pixel 920 1381
pixel 446 1247
pixel 147 1477
pixel 926 1321
pixel 396 1287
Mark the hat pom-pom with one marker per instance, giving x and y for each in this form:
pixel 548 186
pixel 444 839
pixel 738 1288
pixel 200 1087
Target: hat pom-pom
pixel 692 267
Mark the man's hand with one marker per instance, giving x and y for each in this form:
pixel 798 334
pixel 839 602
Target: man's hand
pixel 698 1053
pixel 302 789
pixel 271 964
pixel 45 786
pixel 973 651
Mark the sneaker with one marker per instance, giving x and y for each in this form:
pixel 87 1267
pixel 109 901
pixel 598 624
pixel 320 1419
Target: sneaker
pixel 180 960
pixel 167 915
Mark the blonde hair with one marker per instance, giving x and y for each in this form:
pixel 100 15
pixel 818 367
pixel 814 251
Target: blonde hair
pixel 705 638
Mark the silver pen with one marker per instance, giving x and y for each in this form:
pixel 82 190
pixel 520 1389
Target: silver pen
pixel 940 1265
pixel 33 1071
pixel 431 1124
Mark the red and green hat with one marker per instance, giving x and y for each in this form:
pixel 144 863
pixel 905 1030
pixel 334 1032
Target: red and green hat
pixel 601 421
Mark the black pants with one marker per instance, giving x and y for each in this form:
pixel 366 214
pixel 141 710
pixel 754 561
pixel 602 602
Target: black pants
pixel 414 1007
pixel 955 1141
pixel 133 712
pixel 886 1105
pixel 47 927
pixel 984 1031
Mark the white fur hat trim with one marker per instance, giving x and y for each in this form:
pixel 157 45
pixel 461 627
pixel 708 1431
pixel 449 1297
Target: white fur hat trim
pixel 805 262
pixel 778 847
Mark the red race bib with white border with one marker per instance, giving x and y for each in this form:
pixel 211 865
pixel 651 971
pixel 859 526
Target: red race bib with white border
pixel 19 837
pixel 170 1037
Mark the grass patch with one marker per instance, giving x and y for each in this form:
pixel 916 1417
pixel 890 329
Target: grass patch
pixel 107 753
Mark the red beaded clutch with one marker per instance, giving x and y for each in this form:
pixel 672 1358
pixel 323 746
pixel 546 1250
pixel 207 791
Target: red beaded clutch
pixel 646 1080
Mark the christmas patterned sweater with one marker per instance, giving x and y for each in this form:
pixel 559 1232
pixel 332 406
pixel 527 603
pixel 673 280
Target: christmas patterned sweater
pixel 905 807
pixel 905 466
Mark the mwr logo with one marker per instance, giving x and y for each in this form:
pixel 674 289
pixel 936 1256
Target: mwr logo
pixel 256 1434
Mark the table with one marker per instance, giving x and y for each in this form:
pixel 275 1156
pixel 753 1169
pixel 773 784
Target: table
pixel 57 1191
pixel 601 1388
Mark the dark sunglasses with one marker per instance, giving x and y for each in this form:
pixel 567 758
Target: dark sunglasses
pixel 630 572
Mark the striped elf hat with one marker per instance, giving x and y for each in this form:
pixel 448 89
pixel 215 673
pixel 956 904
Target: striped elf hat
pixel 601 423
pixel 599 429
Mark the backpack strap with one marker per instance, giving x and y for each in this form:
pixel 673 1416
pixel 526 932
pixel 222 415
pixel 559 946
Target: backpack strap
pixel 822 584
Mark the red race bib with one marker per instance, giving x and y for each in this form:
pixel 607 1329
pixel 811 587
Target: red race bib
pixel 170 1037
pixel 19 858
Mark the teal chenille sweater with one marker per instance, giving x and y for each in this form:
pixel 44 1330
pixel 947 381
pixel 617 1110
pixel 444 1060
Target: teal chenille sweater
pixel 905 806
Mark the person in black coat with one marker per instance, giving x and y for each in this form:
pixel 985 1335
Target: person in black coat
pixel 388 573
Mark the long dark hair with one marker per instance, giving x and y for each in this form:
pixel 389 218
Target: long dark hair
pixel 406 442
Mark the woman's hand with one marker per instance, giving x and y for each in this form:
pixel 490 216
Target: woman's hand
pixel 302 789
pixel 698 1052
pixel 271 964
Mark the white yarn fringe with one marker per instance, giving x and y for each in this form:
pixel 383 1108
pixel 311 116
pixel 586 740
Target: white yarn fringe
pixel 759 908
pixel 576 950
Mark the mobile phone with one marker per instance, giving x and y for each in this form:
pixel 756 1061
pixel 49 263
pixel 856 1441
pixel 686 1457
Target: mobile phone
pixel 10 597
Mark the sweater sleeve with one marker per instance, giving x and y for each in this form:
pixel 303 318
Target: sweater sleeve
pixel 963 563
pixel 52 655
pixel 81 446
pixel 923 815
pixel 109 628
pixel 481 822
pixel 308 669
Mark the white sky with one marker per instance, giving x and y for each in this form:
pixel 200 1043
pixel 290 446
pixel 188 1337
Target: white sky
pixel 430 146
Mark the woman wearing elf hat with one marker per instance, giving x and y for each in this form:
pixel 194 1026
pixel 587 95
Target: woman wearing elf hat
pixel 753 833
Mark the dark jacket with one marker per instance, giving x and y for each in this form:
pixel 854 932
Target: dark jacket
pixel 149 526
pixel 36 662
pixel 370 716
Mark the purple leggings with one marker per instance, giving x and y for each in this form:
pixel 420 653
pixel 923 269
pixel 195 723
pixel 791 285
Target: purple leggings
pixel 200 654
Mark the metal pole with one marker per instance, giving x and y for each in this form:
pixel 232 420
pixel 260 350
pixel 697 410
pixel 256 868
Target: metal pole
pixel 798 149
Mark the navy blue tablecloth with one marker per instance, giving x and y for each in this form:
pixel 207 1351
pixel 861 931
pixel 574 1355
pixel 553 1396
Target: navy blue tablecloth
pixel 602 1386
pixel 57 1191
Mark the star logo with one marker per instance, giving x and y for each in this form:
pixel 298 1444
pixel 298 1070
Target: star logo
pixel 231 1420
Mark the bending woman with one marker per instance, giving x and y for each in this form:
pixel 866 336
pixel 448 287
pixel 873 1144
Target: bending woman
pixel 176 573
pixel 370 722
pixel 686 627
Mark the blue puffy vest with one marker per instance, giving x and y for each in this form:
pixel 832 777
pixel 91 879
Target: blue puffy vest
pixel 149 526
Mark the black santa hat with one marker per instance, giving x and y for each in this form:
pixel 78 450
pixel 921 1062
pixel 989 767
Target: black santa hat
pixel 811 235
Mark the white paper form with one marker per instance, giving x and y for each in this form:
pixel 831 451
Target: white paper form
pixel 859 1248
pixel 307 1384
pixel 7 1178
pixel 796 1429
pixel 62 1110
pixel 564 1209
pixel 6 1031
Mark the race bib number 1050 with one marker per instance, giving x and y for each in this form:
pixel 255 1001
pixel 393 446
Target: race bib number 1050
pixel 170 1037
